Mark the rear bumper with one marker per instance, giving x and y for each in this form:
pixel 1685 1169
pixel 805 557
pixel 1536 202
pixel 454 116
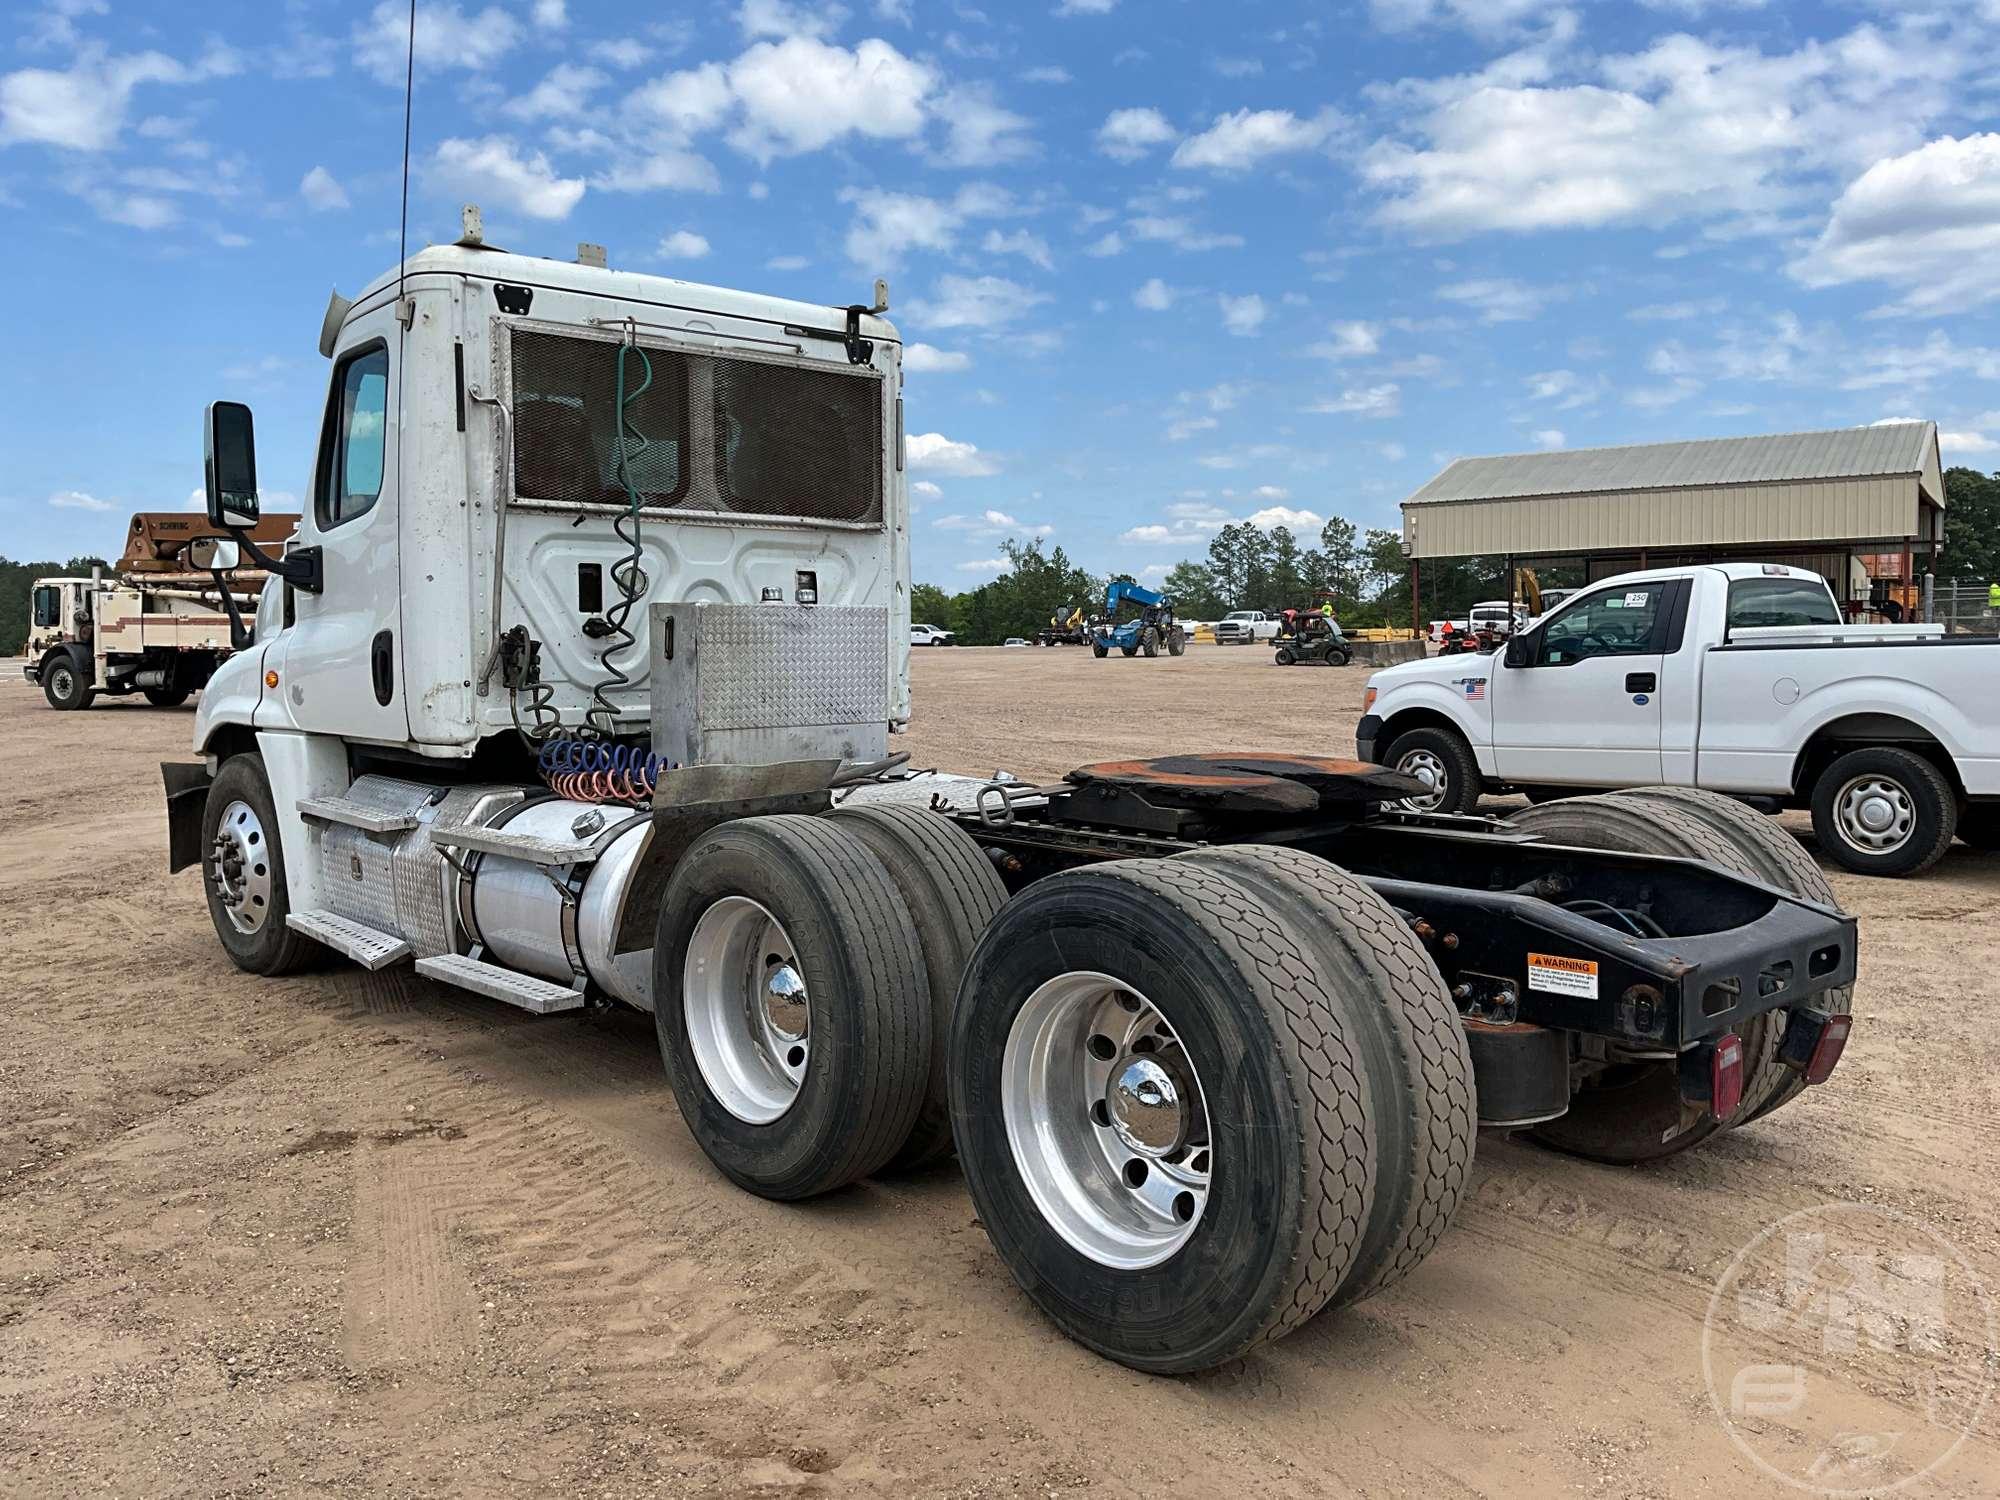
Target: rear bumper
pixel 1367 735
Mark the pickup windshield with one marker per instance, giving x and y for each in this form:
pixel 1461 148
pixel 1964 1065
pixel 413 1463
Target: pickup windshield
pixel 1755 602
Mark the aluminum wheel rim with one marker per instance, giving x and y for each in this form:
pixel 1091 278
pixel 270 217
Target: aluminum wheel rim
pixel 1429 768
pixel 748 1019
pixel 1875 814
pixel 1106 1120
pixel 239 864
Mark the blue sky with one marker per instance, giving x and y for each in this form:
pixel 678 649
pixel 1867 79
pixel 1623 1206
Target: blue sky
pixel 1162 263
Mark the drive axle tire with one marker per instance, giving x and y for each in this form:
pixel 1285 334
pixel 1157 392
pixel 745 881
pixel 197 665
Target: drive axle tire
pixel 1632 1112
pixel 1442 759
pixel 243 871
pixel 66 683
pixel 952 891
pixel 1418 1064
pixel 166 697
pixel 1884 811
pixel 1775 857
pixel 1224 1200
pixel 791 1004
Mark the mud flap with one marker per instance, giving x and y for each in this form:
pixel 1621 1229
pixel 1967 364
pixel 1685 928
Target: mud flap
pixel 187 796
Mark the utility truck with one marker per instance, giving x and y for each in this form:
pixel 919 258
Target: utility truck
pixel 582 692
pixel 1738 678
pixel 158 626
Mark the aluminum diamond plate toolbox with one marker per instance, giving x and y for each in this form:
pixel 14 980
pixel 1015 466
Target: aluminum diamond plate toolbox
pixel 759 683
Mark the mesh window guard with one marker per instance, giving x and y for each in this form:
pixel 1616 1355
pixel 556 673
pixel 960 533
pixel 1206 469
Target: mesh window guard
pixel 729 435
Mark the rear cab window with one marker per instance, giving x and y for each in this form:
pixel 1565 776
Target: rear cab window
pixel 1758 602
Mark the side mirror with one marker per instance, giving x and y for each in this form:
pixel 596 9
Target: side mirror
pixel 1520 651
pixel 229 464
pixel 214 554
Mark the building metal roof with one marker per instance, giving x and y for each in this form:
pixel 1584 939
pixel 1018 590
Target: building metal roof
pixel 1846 453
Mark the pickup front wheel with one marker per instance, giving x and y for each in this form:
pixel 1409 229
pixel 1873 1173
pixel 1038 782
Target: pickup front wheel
pixel 1443 762
pixel 1884 811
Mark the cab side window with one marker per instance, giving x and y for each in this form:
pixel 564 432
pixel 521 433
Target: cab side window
pixel 48 607
pixel 1619 622
pixel 354 452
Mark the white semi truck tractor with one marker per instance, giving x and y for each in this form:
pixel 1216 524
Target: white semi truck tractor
pixel 580 691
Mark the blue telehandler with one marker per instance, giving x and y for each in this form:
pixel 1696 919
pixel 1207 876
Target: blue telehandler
pixel 1152 627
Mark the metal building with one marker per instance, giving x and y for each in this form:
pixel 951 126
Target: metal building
pixel 1812 499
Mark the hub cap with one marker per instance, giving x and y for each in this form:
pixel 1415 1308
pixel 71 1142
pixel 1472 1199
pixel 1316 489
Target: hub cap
pixel 748 1014
pixel 239 867
pixel 63 680
pixel 1106 1120
pixel 1429 768
pixel 1875 814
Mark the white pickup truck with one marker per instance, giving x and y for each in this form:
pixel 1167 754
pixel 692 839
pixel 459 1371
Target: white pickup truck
pixel 1245 627
pixel 1737 677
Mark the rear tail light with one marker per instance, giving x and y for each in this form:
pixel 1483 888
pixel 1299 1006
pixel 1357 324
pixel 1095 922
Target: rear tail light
pixel 1826 1051
pixel 1725 1077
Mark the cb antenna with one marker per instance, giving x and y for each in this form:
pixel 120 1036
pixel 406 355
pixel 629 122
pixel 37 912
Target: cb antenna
pixel 409 96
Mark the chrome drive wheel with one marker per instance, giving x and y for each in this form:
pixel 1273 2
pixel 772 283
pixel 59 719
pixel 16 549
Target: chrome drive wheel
pixel 748 1015
pixel 1106 1119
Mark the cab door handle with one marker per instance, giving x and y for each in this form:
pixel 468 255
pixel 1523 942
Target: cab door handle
pixel 1641 682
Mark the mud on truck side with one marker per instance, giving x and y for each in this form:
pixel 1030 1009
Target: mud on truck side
pixel 598 639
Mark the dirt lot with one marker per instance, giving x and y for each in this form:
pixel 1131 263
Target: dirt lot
pixel 360 1234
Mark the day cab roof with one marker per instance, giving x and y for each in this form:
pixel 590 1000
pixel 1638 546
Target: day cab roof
pixel 632 288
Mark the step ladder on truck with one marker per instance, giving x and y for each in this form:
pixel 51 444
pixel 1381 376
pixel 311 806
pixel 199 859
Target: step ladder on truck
pixel 630 743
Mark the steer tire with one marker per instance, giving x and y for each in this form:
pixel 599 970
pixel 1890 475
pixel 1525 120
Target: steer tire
pixel 952 891
pixel 1418 1064
pixel 1177 642
pixel 66 681
pixel 1933 805
pixel 1149 642
pixel 1633 1112
pixel 1461 769
pixel 1099 650
pixel 1776 858
pixel 868 1023
pixel 271 947
pixel 1276 1053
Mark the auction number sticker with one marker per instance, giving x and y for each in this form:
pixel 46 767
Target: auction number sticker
pixel 1562 976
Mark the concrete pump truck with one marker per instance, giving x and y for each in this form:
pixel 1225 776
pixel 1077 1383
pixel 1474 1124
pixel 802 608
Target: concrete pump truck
pixel 576 688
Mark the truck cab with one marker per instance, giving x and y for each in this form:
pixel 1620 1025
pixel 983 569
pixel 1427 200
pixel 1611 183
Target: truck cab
pixel 1245 627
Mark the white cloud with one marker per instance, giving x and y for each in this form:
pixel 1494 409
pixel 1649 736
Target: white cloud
pixel 321 191
pixel 83 108
pixel 550 15
pixel 1085 7
pixel 682 244
pixel 78 500
pixel 493 171
pixel 888 225
pixel 979 130
pixel 621 52
pixel 1283 515
pixel 782 18
pixel 1270 492
pixel 1966 442
pixel 1183 428
pixel 1030 247
pixel 1499 299
pixel 1155 296
pixel 1549 437
pixel 1149 536
pixel 446 38
pixel 1047 73
pixel 991 524
pixel 1239 141
pixel 1926 222
pixel 1166 229
pixel 563 93
pixel 1110 244
pixel 1362 401
pixel 802 94
pixel 786 263
pixel 1351 340
pixel 933 452
pixel 1128 134
pixel 1677 312
pixel 1487 17
pixel 925 488
pixel 1683 129
pixel 975 302
pixel 984 565
pixel 1242 316
pixel 928 359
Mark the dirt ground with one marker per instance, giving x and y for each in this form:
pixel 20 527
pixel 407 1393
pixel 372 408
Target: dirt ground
pixel 362 1234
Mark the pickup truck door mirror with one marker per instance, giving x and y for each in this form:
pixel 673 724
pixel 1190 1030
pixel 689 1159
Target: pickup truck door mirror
pixel 229 464
pixel 1521 650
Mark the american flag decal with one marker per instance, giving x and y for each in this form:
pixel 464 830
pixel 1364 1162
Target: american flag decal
pixel 1475 687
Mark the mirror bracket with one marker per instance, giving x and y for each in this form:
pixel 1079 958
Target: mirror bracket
pixel 240 638
pixel 302 567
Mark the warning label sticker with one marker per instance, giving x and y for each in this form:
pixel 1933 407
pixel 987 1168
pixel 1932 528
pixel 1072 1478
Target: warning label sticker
pixel 1562 976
